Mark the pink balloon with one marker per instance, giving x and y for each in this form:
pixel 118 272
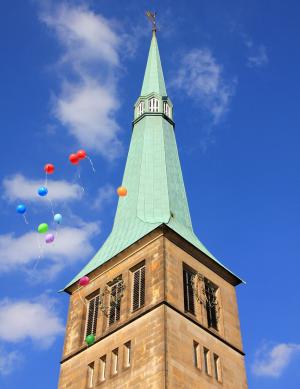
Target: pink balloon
pixel 84 281
pixel 49 238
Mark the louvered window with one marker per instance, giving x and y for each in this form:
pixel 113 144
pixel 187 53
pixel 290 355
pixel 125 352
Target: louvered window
pixel 211 304
pixel 115 302
pixel 166 109
pixel 138 290
pixel 153 105
pixel 141 108
pixel 92 315
pixel 189 304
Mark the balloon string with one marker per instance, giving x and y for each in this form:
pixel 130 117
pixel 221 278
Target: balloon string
pixel 51 204
pixel 40 252
pixel 26 221
pixel 80 295
pixel 79 179
pixel 92 165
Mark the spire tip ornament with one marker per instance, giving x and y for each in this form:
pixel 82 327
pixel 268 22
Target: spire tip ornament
pixel 152 17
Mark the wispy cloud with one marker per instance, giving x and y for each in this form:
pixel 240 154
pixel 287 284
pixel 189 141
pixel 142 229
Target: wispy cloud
pixel 18 187
pixel 201 77
pixel 257 54
pixel 258 57
pixel 29 319
pixel 89 66
pixel 272 361
pixel 8 361
pixel 29 250
pixel 104 196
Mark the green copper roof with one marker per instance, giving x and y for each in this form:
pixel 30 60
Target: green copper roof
pixel 154 77
pixel 153 178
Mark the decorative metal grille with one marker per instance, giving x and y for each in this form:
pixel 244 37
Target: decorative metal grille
pixel 205 293
pixel 116 294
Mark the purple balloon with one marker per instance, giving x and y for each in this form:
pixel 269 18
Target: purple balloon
pixel 49 238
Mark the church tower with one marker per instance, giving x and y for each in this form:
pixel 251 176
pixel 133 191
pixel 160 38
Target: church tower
pixel 161 307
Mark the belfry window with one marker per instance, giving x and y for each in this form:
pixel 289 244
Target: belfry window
pixel 92 316
pixel 167 109
pixel 153 105
pixel 211 304
pixel 189 303
pixel 141 108
pixel 115 302
pixel 138 287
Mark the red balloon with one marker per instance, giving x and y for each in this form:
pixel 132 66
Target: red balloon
pixel 74 159
pixel 49 168
pixel 81 154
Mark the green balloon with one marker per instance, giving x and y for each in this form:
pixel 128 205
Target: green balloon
pixel 90 339
pixel 42 228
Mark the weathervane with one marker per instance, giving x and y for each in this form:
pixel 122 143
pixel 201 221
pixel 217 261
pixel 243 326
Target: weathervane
pixel 152 17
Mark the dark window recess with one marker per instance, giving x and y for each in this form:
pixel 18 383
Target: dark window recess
pixel 211 304
pixel 115 302
pixel 138 296
pixel 92 316
pixel 189 304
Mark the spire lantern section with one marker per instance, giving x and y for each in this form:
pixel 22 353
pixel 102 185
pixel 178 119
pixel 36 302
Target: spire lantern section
pixel 153 99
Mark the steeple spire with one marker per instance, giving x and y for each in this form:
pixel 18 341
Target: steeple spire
pixel 156 194
pixel 153 78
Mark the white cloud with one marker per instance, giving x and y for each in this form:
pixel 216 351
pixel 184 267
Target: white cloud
pixel 104 195
pixel 258 57
pixel 30 253
pixel 201 78
pixel 272 362
pixel 35 320
pixel 84 35
pixel 8 361
pixel 19 187
pixel 87 102
pixel 87 109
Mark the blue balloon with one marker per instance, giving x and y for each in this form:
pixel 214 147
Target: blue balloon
pixel 42 191
pixel 21 208
pixel 57 218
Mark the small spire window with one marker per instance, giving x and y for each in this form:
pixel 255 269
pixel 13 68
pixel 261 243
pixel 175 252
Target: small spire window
pixel 141 108
pixel 153 105
pixel 167 110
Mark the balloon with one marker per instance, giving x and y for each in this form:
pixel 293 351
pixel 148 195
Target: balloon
pixel 42 228
pixel 81 154
pixel 49 168
pixel 21 208
pixel 122 191
pixel 74 159
pixel 42 191
pixel 49 238
pixel 57 218
pixel 90 339
pixel 84 281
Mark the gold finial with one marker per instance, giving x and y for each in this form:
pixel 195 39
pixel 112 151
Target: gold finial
pixel 152 17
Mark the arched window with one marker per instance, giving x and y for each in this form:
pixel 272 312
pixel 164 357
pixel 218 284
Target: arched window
pixel 167 109
pixel 153 105
pixel 141 108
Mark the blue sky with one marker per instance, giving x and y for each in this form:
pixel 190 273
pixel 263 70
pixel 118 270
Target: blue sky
pixel 69 75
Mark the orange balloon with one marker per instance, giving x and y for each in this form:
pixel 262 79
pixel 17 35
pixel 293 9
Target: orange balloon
pixel 122 191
